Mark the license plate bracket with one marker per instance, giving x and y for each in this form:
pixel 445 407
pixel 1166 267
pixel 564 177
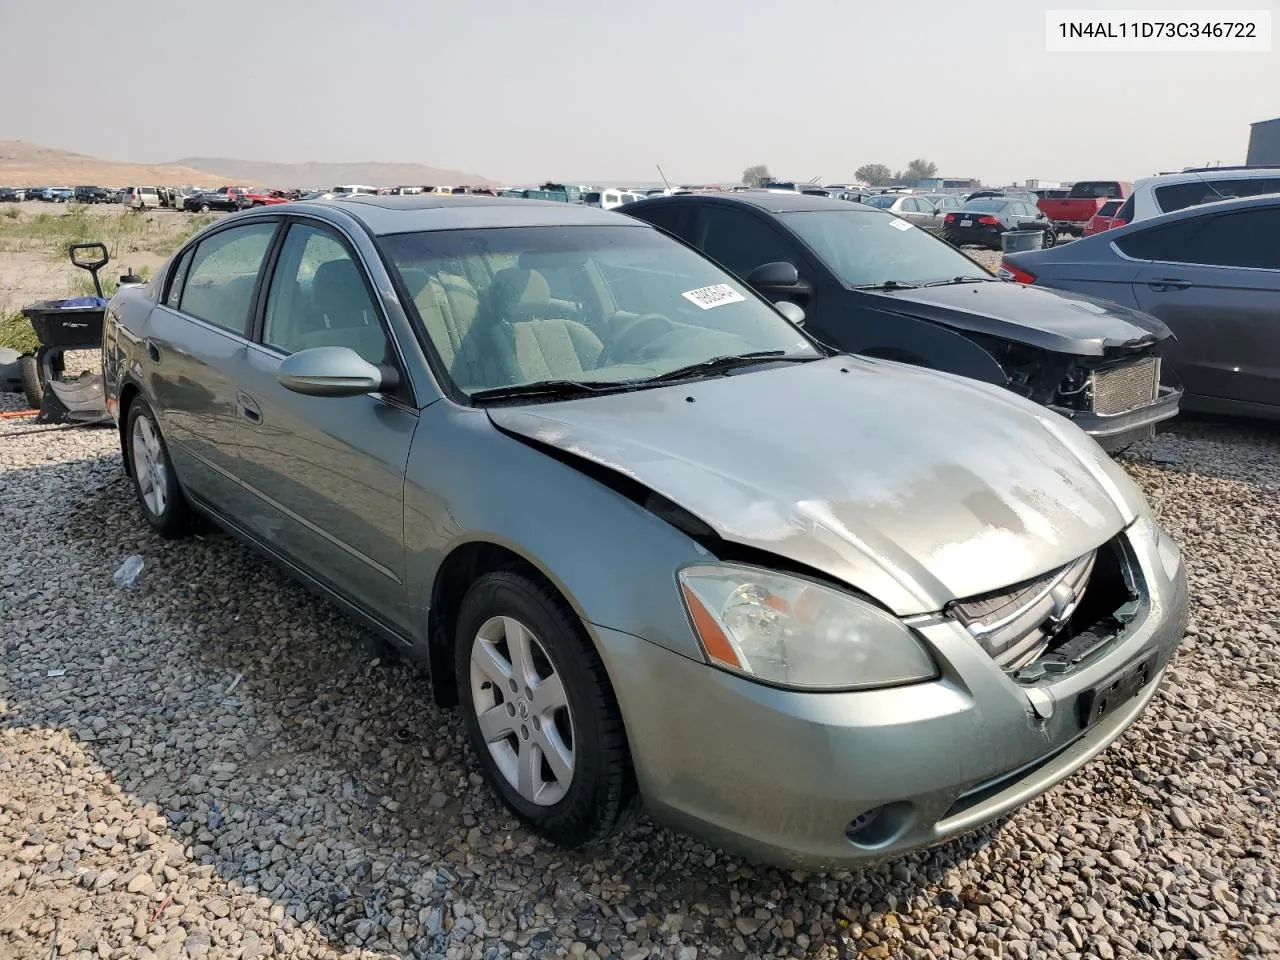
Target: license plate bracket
pixel 1096 704
pixel 966 223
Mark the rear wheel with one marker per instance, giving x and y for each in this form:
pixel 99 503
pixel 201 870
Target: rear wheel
pixel 540 712
pixel 1050 238
pixel 32 382
pixel 161 498
pixel 204 208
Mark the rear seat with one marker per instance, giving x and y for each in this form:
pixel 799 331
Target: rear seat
pixel 447 304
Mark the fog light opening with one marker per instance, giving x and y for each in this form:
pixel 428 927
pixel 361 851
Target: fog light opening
pixel 880 825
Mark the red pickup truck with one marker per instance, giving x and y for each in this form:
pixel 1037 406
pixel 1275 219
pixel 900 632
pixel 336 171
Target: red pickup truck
pixel 1082 203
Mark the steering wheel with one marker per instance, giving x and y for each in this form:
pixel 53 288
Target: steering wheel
pixel 628 346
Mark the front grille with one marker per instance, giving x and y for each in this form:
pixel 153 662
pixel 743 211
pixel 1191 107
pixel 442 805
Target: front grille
pixel 1124 388
pixel 1015 625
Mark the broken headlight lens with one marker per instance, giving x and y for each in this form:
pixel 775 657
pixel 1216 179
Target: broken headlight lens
pixel 796 633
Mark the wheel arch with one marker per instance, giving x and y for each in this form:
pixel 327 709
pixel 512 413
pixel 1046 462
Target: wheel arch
pixel 462 566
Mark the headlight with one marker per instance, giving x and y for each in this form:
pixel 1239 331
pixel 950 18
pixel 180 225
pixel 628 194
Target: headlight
pixel 1166 547
pixel 794 633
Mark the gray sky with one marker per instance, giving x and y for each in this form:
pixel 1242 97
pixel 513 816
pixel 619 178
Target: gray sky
pixel 601 90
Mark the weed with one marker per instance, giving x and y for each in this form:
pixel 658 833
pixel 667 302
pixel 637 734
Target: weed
pixel 13 213
pixel 16 332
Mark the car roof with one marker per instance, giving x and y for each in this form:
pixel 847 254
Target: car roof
pixel 438 211
pixel 1212 173
pixel 771 201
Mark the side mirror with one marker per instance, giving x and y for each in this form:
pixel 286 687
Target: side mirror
pixel 791 311
pixel 778 277
pixel 332 372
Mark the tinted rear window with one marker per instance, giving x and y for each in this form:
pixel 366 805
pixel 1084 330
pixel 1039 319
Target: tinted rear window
pixel 1159 243
pixel 1095 189
pixel 1179 196
pixel 1110 207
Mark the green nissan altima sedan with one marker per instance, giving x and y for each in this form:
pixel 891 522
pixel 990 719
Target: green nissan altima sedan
pixel 659 545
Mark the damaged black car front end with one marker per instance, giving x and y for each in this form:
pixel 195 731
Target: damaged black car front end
pixel 873 284
pixel 1117 398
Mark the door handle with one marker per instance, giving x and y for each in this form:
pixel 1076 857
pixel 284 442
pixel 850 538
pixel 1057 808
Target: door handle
pixel 153 351
pixel 1166 283
pixel 248 408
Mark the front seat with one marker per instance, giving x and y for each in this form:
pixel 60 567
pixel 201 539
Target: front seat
pixel 516 338
pixel 342 314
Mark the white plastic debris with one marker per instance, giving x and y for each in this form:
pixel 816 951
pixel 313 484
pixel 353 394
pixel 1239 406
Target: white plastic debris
pixel 128 572
pixel 56 672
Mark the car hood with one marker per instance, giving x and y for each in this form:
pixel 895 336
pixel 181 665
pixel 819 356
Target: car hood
pixel 915 487
pixel 1050 319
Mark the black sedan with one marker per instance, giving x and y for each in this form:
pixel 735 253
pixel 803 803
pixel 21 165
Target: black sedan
pixel 208 200
pixel 984 222
pixel 869 282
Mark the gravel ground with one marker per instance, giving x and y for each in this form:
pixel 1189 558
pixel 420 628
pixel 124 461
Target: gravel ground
pixel 211 763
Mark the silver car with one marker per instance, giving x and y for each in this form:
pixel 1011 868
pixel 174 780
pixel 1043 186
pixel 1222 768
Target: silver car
pixel 655 541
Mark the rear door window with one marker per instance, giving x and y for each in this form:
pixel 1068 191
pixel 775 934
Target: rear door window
pixel 224 272
pixel 1248 238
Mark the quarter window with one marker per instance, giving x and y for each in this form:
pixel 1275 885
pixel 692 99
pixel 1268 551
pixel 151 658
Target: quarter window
pixel 177 279
pixel 318 298
pixel 224 270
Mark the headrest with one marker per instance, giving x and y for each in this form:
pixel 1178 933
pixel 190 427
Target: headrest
pixel 516 290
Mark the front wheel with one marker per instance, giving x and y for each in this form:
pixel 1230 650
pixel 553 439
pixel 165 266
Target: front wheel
pixel 159 494
pixel 540 711
pixel 204 208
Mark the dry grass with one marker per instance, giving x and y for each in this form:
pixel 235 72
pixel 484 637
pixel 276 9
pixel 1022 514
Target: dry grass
pixel 16 332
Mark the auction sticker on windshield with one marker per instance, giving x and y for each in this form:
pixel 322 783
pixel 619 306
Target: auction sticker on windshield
pixel 716 295
pixel 899 224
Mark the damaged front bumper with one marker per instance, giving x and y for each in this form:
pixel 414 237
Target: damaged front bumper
pixel 1118 430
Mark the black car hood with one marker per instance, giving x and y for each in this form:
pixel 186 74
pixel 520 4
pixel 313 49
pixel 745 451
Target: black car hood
pixel 1050 319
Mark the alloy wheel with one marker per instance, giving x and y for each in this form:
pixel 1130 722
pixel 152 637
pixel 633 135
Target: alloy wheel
pixel 149 467
pixel 522 710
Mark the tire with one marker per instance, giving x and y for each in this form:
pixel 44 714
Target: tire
pixel 1050 238
pixel 204 208
pixel 159 494
pixel 592 791
pixel 32 382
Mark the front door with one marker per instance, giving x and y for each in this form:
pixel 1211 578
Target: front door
pixel 327 473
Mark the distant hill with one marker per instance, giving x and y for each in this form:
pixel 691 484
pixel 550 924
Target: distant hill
pixel 322 175
pixel 29 164
pixel 24 164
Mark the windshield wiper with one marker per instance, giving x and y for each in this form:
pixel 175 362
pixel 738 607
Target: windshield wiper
pixel 947 283
pixel 727 362
pixel 552 388
pixel 887 285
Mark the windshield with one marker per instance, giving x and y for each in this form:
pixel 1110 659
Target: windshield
pixel 884 201
pixel 985 206
pixel 520 305
pixel 864 248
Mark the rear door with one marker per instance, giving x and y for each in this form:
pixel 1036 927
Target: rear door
pixel 196 343
pixel 327 473
pixel 1217 287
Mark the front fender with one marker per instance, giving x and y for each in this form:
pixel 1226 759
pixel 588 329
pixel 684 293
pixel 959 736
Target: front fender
pixel 613 560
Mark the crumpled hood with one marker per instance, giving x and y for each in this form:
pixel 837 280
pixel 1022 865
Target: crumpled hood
pixel 915 487
pixel 1055 320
